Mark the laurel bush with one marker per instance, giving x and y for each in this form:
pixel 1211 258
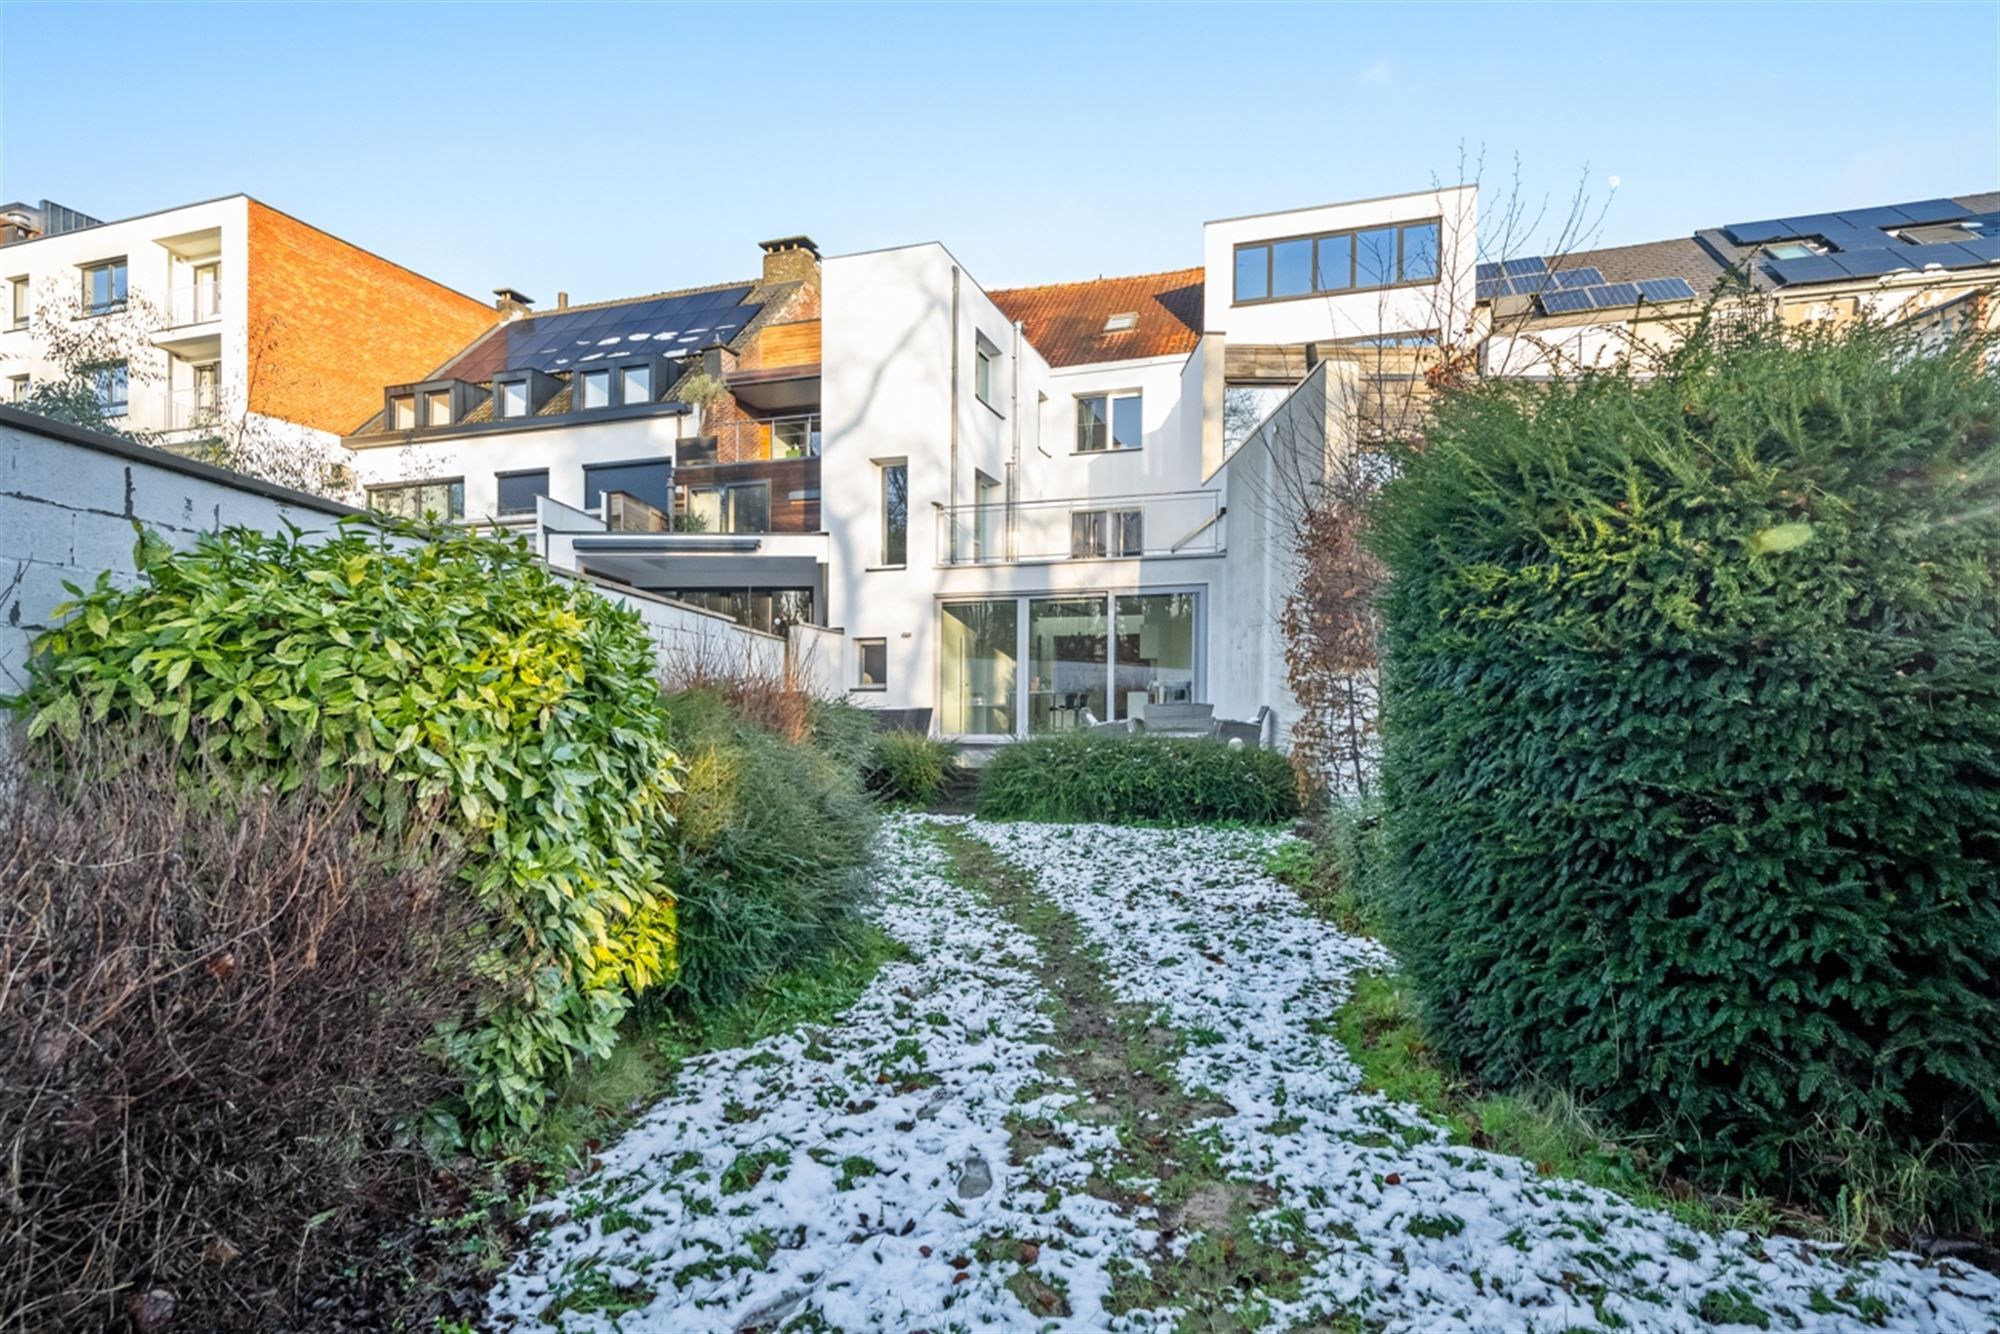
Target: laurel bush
pixel 453 678
pixel 1112 779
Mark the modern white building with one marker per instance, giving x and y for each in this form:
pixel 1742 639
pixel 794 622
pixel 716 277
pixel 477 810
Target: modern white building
pixel 1016 505
pixel 226 315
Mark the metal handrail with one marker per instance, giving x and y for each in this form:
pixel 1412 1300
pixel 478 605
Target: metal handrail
pixel 1167 523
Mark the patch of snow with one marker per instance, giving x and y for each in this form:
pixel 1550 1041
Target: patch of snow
pixel 1412 1230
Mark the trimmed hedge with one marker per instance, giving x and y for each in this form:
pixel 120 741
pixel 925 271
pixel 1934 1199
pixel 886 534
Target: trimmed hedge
pixel 454 680
pixel 1111 779
pixel 1692 746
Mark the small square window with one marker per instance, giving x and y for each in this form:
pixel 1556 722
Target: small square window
pixel 1121 322
pixel 404 412
pixel 104 287
pixel 1790 250
pixel 635 385
pixel 871 664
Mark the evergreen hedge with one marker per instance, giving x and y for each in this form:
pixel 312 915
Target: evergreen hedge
pixel 1692 744
pixel 1111 779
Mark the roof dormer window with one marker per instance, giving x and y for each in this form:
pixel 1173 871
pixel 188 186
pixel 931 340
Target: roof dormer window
pixel 1122 322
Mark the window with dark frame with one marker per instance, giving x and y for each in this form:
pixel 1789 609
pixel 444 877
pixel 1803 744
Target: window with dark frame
pixel 649 480
pixel 1107 533
pixel 871 664
pixel 1356 260
pixel 17 301
pixel 1109 421
pixel 437 407
pixel 593 390
pixel 986 359
pixel 635 385
pixel 738 507
pixel 104 287
pixel 510 398
pixel 895 513
pixel 517 491
pixel 403 408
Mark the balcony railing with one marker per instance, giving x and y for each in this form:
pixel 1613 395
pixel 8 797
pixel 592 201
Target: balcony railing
pixel 1172 523
pixel 194 410
pixel 747 442
pixel 199 304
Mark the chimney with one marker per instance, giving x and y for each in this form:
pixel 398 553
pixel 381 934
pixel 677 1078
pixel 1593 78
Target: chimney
pixel 562 300
pixel 508 301
pixel 790 259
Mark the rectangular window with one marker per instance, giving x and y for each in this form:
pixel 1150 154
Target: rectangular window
pixel 990 524
pixel 871 664
pixel 1153 641
pixel 113 385
pixel 511 399
pixel 1068 650
pixel 17 388
pixel 985 368
pixel 403 412
pixel 1108 421
pixel 518 490
pixel 443 499
pixel 437 407
pixel 650 481
pixel 104 287
pixel 771 610
pixel 17 303
pixel 593 390
pixel 635 385
pixel 895 513
pixel 740 507
pixel 1372 257
pixel 977 651
pixel 1102 534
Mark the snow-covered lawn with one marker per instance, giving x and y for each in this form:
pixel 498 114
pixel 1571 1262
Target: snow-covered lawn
pixel 871 1175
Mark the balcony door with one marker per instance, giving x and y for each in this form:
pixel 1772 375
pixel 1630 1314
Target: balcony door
pixel 207 393
pixel 207 292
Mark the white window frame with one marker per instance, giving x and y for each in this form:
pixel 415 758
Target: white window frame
pixel 985 368
pixel 20 311
pixel 861 647
pixel 1111 398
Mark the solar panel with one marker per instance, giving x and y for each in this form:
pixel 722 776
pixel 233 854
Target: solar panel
pixel 1986 249
pixel 1530 284
pixel 1613 294
pixel 1949 254
pixel 1562 303
pixel 1883 216
pixel 1579 278
pixel 1806 269
pixel 1758 233
pixel 1489 288
pixel 1485 272
pixel 1666 289
pixel 1854 238
pixel 1933 210
pixel 557 340
pixel 1516 267
pixel 1871 263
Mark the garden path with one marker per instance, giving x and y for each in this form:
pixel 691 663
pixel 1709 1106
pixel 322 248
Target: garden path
pixel 1102 1093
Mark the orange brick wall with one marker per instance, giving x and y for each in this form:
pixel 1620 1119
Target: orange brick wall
pixel 330 324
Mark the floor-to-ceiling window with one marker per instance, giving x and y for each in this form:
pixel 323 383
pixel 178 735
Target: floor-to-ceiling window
pixel 1105 655
pixel 977 650
pixel 1068 649
pixel 1154 644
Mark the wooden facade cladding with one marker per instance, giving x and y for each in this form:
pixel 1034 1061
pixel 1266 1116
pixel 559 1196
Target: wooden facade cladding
pixel 781 345
pixel 794 483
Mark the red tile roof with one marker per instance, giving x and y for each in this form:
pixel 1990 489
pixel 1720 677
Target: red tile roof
pixel 1065 321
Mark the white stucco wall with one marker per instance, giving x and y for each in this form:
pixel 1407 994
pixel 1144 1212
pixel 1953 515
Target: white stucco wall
pixel 1351 315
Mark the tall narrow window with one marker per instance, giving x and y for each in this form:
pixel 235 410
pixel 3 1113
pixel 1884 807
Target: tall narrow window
pixel 437 407
pixel 1068 650
pixel 895 513
pixel 985 368
pixel 977 652
pixel 1153 642
pixel 112 384
pixel 990 524
pixel 17 303
pixel 404 412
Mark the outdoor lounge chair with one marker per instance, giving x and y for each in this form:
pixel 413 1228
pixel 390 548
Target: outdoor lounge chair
pixel 1196 720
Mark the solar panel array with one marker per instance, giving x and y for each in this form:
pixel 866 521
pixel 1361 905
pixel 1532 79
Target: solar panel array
pixel 1612 296
pixel 564 339
pixel 1532 283
pixel 1860 243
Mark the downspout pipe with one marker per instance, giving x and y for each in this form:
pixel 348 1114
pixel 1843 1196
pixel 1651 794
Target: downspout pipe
pixel 951 480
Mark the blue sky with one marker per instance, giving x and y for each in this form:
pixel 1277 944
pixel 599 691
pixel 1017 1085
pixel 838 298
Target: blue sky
pixel 616 149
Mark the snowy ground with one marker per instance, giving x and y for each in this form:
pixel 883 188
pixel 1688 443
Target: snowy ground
pixel 934 1161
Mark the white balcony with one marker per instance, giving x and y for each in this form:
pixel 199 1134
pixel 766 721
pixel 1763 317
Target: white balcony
pixel 1169 524
pixel 193 320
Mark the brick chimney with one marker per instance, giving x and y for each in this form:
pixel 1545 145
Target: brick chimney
pixel 790 259
pixel 508 301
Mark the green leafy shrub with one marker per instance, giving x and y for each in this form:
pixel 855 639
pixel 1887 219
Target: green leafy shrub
pixel 910 768
pixel 454 679
pixel 773 835
pixel 1111 779
pixel 1692 747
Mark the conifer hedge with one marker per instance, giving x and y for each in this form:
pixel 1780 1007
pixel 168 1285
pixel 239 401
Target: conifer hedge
pixel 1692 745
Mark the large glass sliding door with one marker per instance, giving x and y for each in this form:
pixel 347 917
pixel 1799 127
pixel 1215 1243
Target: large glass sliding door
pixel 1154 644
pixel 1068 650
pixel 977 650
pixel 1104 653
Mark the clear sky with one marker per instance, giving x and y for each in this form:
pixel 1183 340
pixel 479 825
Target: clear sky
pixel 615 149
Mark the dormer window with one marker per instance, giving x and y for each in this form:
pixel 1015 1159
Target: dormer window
pixel 1122 323
pixel 593 390
pixel 437 407
pixel 403 412
pixel 510 398
pixel 635 385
